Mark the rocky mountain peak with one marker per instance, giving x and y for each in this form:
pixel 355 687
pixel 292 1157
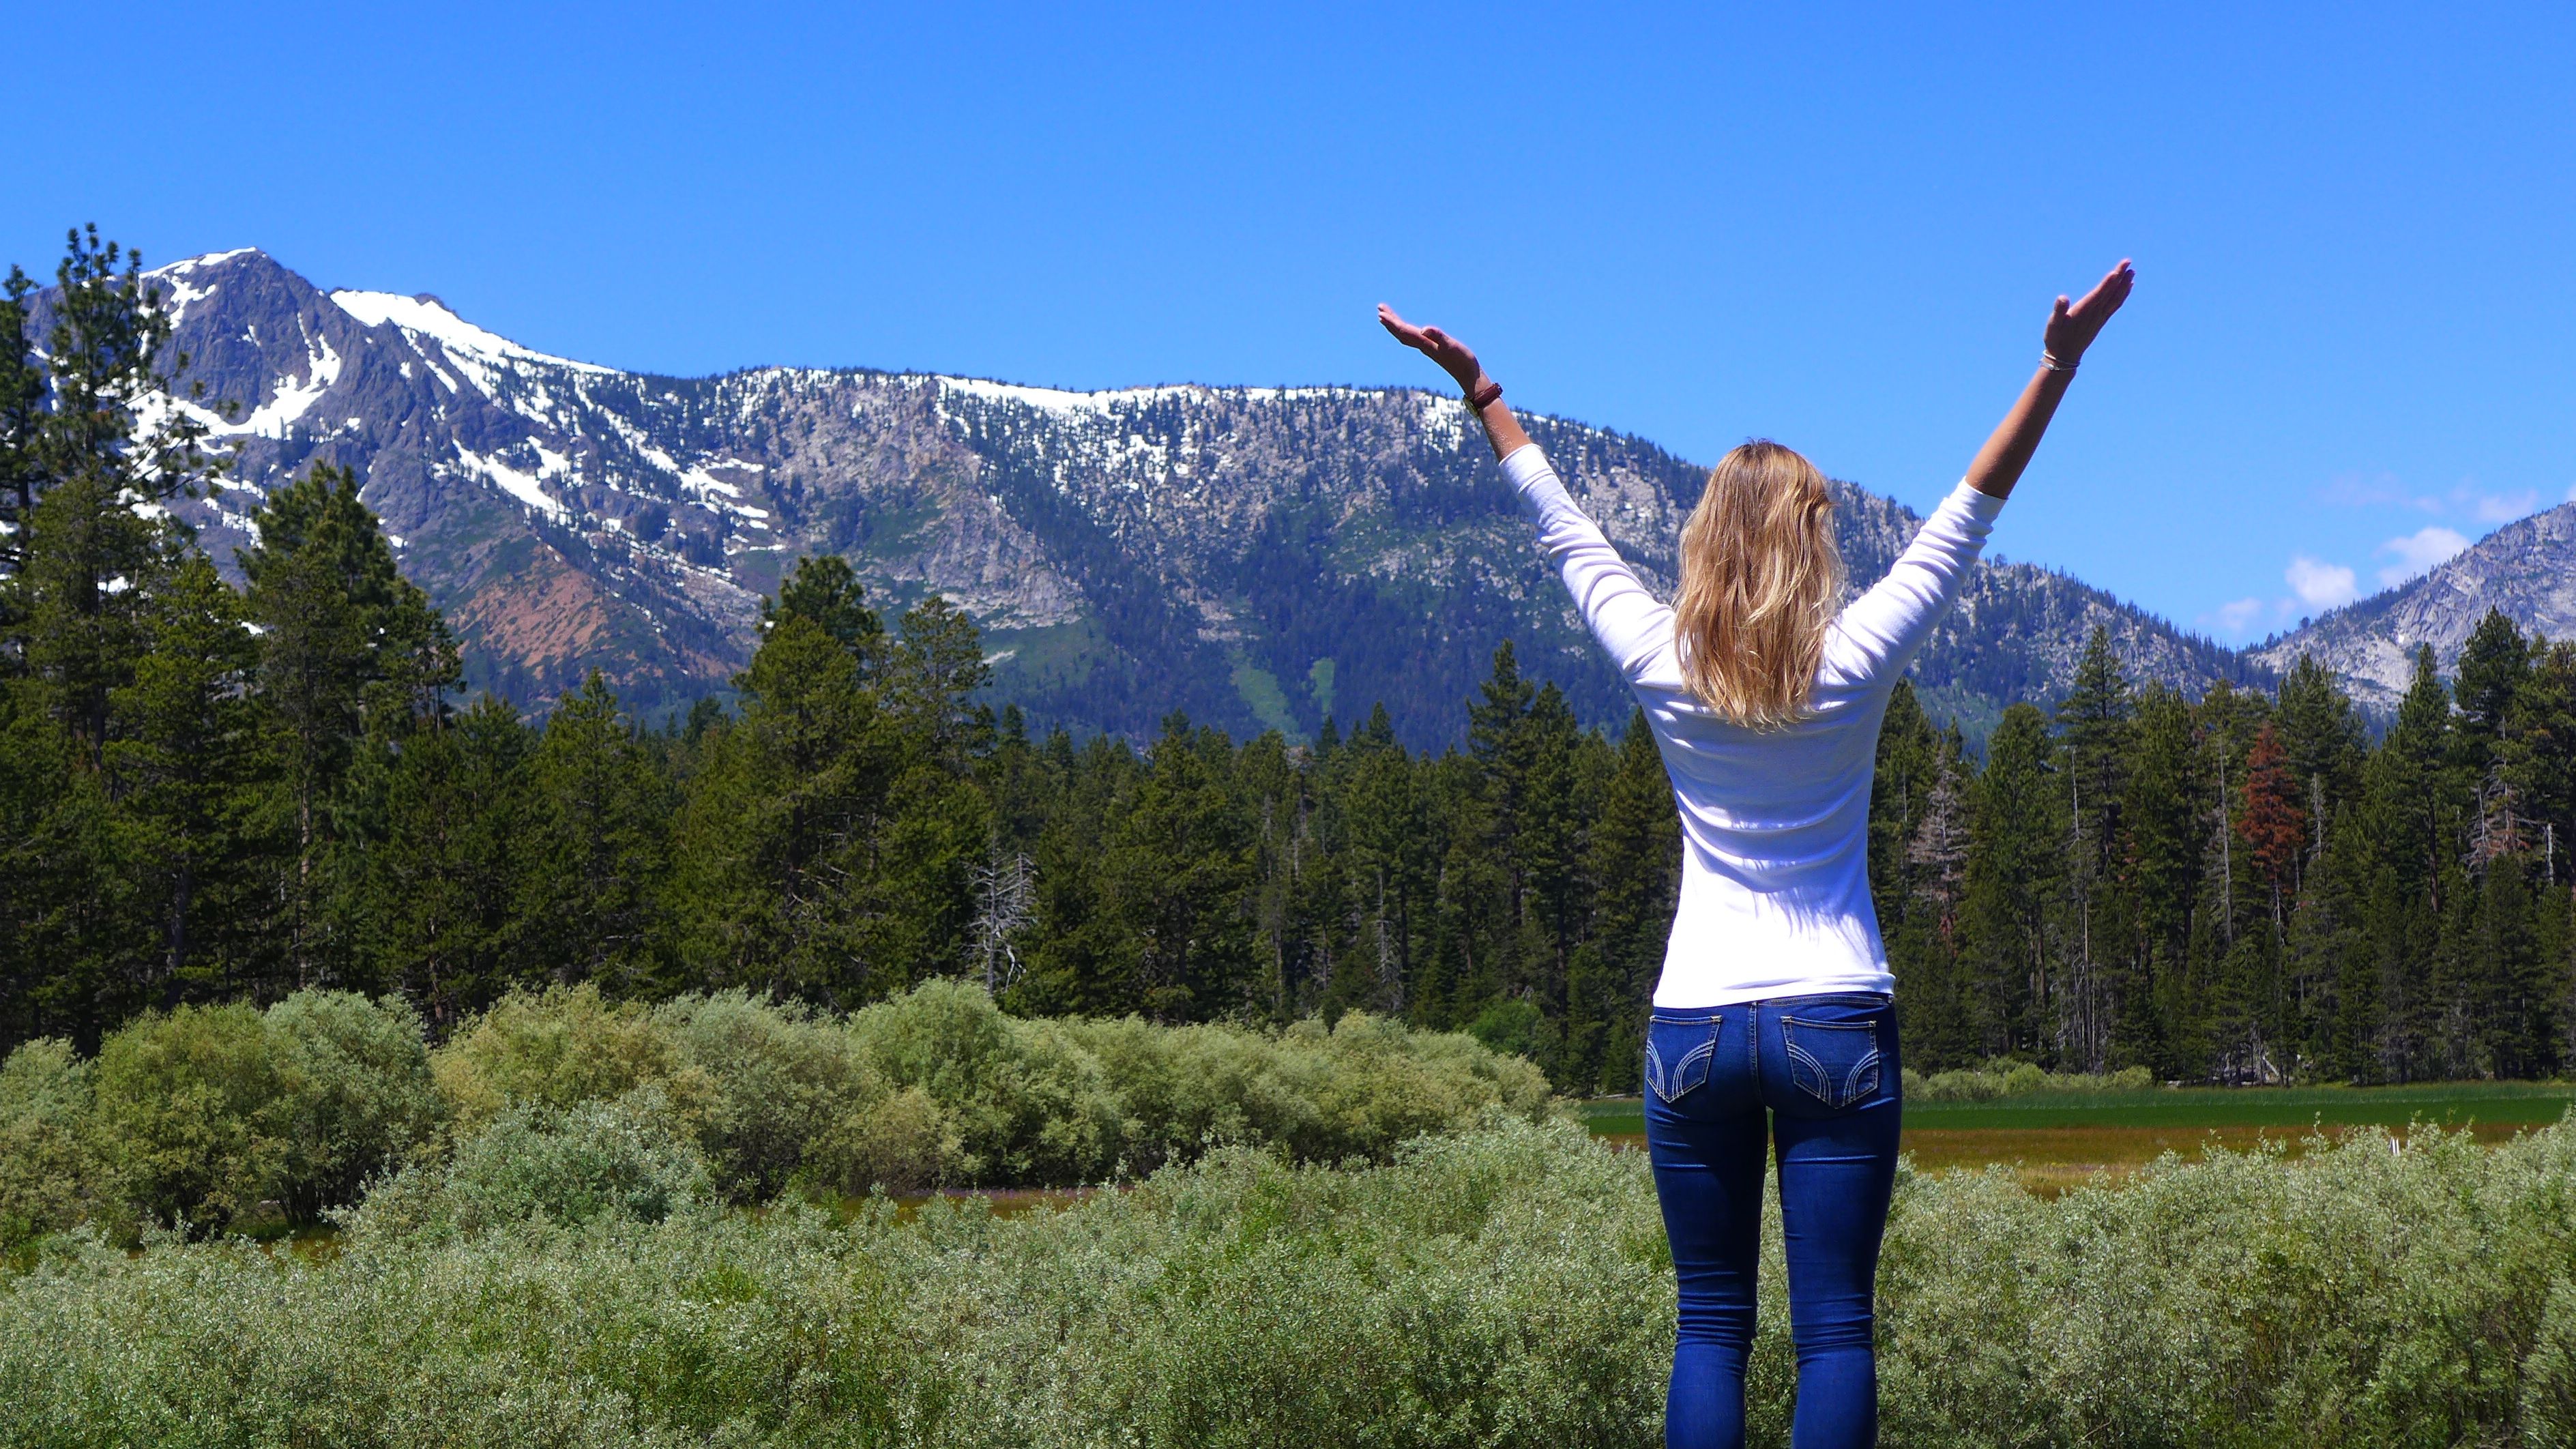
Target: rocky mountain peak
pixel 2526 568
pixel 1258 557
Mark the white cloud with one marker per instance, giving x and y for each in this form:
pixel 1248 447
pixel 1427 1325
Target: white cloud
pixel 2384 490
pixel 2571 492
pixel 2419 551
pixel 2374 490
pixel 2236 620
pixel 2505 507
pixel 2321 585
pixel 2243 619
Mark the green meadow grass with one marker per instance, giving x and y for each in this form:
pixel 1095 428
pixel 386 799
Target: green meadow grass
pixel 2455 1104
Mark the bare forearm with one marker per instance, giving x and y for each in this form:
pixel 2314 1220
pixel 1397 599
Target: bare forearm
pixel 1501 428
pixel 2071 329
pixel 2007 452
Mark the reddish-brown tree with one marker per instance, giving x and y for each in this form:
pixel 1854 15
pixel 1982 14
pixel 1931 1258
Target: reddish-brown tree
pixel 2270 819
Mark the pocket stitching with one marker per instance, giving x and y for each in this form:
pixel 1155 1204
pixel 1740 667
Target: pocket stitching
pixel 1814 1068
pixel 1848 1092
pixel 1851 1085
pixel 1670 1088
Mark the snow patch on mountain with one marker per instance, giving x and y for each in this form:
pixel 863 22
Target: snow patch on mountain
pixel 425 316
pixel 716 493
pixel 293 397
pixel 1056 400
pixel 178 293
pixel 526 487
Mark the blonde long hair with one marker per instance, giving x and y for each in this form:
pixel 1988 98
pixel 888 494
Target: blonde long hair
pixel 1761 577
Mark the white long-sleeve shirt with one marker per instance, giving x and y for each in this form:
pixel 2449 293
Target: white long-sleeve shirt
pixel 1775 825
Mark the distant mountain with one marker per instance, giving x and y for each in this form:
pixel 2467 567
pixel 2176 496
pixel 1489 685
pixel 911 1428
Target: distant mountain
pixel 2527 569
pixel 1259 557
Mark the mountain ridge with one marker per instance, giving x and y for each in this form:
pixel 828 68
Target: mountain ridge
pixel 2527 569
pixel 1257 557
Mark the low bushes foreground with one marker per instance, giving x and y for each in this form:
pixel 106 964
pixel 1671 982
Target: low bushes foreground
pixel 566 1105
pixel 1500 1286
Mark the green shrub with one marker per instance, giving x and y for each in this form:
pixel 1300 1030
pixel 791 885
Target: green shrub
pixel 599 1159
pixel 48 1177
pixel 1027 1103
pixel 2549 1373
pixel 1390 1083
pixel 1512 1026
pixel 356 1095
pixel 189 1117
pixel 781 1085
pixel 2005 1078
pixel 792 1096
pixel 556 1049
pixel 214 1116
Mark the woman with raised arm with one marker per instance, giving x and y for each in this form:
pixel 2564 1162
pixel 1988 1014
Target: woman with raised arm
pixel 1772 1026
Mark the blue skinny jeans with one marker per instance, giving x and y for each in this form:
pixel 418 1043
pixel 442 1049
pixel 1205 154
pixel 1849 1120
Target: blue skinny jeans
pixel 1817 1075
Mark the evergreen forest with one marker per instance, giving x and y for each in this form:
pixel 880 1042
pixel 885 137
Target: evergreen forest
pixel 215 790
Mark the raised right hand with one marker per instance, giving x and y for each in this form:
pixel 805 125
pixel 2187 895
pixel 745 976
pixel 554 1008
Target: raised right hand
pixel 2072 328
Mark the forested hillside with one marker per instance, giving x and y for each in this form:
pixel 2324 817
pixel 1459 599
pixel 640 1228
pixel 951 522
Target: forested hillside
pixel 212 791
pixel 2244 887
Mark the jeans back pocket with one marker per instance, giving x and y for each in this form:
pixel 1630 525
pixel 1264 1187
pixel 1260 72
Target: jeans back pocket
pixel 1835 1062
pixel 1678 1054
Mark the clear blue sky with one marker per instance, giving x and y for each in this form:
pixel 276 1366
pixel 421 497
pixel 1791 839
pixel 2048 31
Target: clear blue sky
pixel 1840 227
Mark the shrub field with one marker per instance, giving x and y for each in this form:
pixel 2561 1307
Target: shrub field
pixel 230 1118
pixel 578 1223
pixel 1501 1286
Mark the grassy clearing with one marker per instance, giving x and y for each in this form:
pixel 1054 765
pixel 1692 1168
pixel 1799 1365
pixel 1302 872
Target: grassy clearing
pixel 2054 1140
pixel 2487 1105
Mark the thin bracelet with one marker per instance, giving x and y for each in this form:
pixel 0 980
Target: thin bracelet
pixel 2049 360
pixel 1479 397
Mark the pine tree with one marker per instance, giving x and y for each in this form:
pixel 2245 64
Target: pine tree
pixel 2095 721
pixel 347 646
pixel 2538 758
pixel 2016 861
pixel 1900 784
pixel 2493 666
pixel 188 774
pixel 2160 862
pixel 763 840
pixel 92 468
pixel 1636 862
pixel 1180 865
pixel 2416 806
pixel 1388 859
pixel 22 415
pixel 2324 735
pixel 825 590
pixel 428 861
pixel 596 846
pixel 2270 819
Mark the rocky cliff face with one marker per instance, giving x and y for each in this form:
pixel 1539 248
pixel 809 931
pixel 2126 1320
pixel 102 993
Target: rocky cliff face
pixel 2527 569
pixel 1257 557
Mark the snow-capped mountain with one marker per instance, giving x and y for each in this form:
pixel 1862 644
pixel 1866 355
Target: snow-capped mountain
pixel 1258 557
pixel 2526 568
